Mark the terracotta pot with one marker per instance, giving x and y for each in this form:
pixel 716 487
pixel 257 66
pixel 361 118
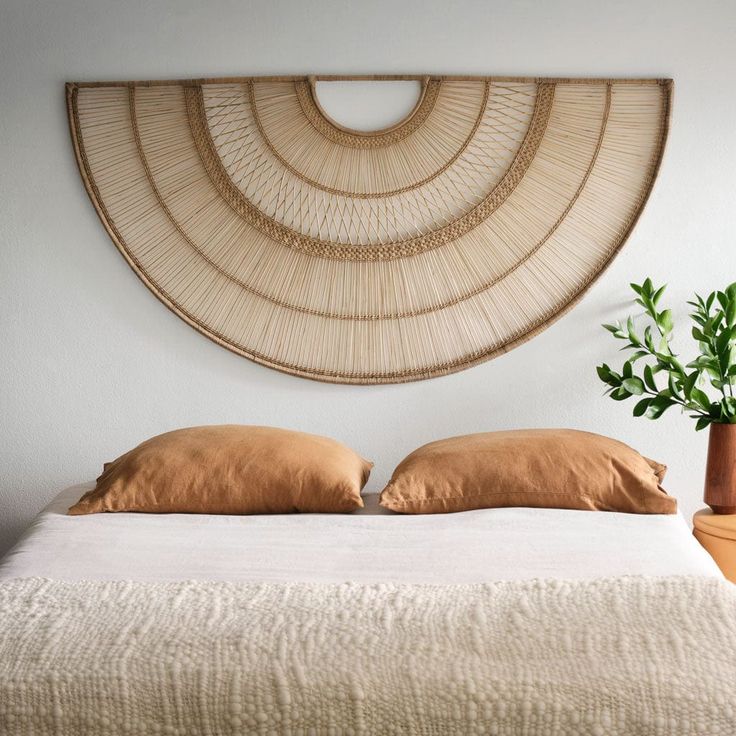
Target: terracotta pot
pixel 720 473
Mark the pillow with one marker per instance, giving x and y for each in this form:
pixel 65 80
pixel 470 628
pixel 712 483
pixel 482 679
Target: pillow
pixel 542 468
pixel 231 469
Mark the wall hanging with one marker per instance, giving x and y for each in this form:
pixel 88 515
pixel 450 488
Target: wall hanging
pixel 369 257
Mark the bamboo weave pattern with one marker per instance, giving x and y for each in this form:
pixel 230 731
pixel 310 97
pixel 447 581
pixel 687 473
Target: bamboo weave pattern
pixel 374 257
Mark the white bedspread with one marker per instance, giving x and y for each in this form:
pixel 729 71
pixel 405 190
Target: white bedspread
pixel 369 546
pixel 622 656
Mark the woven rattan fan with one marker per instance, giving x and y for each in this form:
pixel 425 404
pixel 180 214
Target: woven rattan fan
pixel 377 257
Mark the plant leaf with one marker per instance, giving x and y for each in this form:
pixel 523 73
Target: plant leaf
pixel 659 406
pixel 634 386
pixel 722 341
pixel 649 378
pixel 700 397
pixel 635 341
pixel 665 321
pixel 731 312
pixel 698 335
pixel 722 300
pixel 637 355
pixel 649 339
pixel 689 384
pixel 620 394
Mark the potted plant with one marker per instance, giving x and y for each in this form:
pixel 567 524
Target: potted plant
pixel 703 388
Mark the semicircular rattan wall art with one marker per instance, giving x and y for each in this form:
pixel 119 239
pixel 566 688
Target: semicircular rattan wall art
pixel 378 257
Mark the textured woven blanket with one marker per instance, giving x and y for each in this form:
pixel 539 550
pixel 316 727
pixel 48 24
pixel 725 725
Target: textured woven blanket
pixel 612 656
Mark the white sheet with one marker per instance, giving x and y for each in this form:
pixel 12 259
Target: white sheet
pixel 369 546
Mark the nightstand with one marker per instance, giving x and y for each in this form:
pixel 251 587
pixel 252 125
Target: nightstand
pixel 717 533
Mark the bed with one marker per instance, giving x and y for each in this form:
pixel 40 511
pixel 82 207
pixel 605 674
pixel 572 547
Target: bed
pixel 372 545
pixel 507 621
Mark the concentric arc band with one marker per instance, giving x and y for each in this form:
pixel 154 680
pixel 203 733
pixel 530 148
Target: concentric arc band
pixel 399 249
pixel 363 195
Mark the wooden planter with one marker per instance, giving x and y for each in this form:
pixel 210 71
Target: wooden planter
pixel 720 473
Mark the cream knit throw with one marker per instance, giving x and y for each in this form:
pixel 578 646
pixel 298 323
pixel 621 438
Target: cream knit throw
pixel 612 656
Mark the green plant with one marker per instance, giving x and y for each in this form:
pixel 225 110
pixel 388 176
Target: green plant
pixel 653 359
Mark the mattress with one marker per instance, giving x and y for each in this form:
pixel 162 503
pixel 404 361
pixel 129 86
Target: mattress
pixel 369 546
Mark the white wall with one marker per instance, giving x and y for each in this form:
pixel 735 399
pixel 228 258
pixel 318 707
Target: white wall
pixel 91 363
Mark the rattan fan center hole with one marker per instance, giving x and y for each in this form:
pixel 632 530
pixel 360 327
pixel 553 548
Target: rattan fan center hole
pixel 368 107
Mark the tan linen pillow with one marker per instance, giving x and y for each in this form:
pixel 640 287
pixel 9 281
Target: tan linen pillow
pixel 231 469
pixel 542 468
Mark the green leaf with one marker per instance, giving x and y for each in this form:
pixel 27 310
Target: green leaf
pixel 689 383
pixel 716 411
pixel 658 294
pixel 604 373
pixel 613 329
pixel 649 339
pixel 634 386
pixel 636 288
pixel 641 407
pixel 638 355
pixel 659 406
pixel 649 378
pixel 631 332
pixel 665 322
pixel 698 335
pixel 703 362
pixel 723 341
pixel 702 423
pixel 700 397
pixel 647 287
pixel 628 369
pixel 698 319
pixel 731 312
pixel 620 394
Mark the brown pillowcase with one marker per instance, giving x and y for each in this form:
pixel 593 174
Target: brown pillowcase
pixel 231 469
pixel 542 468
